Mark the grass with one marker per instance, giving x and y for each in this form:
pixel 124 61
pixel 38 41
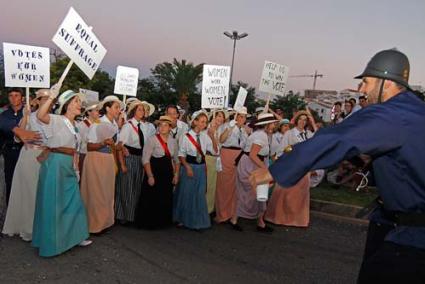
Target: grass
pixel 328 192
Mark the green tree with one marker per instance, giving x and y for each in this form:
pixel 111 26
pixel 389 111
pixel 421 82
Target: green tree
pixel 179 81
pixel 288 104
pixel 76 79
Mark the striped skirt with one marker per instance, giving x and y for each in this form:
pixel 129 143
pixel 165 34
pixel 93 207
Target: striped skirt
pixel 190 204
pixel 60 220
pixel 98 190
pixel 20 212
pixel 128 187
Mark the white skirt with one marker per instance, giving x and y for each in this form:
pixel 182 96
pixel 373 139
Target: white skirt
pixel 20 212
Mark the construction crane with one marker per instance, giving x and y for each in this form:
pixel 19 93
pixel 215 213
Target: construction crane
pixel 315 76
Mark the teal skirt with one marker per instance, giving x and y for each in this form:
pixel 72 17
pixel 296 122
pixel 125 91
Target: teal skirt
pixel 60 219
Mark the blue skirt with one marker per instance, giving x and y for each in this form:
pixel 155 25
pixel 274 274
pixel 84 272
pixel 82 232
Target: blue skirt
pixel 190 203
pixel 60 219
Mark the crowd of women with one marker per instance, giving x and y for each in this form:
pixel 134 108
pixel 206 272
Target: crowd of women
pixel 101 163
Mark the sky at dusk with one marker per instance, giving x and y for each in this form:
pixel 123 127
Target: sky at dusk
pixel 335 37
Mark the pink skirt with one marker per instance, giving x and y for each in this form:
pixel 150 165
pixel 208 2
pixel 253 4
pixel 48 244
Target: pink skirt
pixel 290 206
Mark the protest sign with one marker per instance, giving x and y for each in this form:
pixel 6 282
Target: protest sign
pixel 274 78
pixel 79 43
pixel 215 86
pixel 126 81
pixel 91 96
pixel 240 100
pixel 26 66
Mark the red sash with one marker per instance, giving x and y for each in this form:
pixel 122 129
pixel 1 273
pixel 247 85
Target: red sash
pixel 87 122
pixel 164 145
pixel 197 146
pixel 134 127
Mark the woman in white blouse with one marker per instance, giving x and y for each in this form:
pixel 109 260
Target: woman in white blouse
pixel 254 156
pixel 98 179
pixel 291 206
pixel 233 139
pixel 132 139
pixel 20 211
pixel 155 206
pixel 60 220
pixel 190 208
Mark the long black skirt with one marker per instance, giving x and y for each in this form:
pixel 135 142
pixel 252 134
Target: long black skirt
pixel 155 207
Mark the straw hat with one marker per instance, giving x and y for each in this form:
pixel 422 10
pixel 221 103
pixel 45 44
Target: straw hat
pixel 164 118
pixel 111 98
pixel 214 112
pixel 149 108
pixel 196 114
pixel 90 106
pixel 298 114
pixel 66 96
pixel 242 110
pixel 265 118
pixel 42 93
pixel 130 100
pixel 133 105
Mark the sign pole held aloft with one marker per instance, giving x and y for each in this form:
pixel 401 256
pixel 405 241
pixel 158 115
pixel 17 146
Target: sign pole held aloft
pixel 65 72
pixel 27 98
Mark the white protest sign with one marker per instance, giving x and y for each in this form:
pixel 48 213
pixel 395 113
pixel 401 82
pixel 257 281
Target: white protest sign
pixel 274 78
pixel 91 96
pixel 79 43
pixel 240 99
pixel 26 66
pixel 215 86
pixel 126 81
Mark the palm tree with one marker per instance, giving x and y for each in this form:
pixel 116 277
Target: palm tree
pixel 179 77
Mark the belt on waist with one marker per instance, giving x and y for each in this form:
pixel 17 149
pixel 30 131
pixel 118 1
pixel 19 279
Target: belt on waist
pixel 104 149
pixel 410 219
pixel 238 158
pixel 231 148
pixel 63 150
pixel 35 147
pixel 134 151
pixel 192 160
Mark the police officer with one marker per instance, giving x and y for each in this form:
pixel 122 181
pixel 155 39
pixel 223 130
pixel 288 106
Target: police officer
pixel 9 119
pixel 391 131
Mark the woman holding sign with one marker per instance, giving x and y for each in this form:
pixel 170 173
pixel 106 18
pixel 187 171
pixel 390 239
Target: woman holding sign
pixel 60 220
pixel 190 208
pixel 155 209
pixel 100 167
pixel 20 212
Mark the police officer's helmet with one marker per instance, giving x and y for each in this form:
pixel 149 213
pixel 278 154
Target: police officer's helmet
pixel 388 64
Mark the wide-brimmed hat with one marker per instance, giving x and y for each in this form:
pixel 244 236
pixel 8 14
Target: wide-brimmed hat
pixel 111 98
pixel 164 118
pixel 242 110
pixel 298 114
pixel 149 108
pixel 90 106
pixel 133 105
pixel 265 118
pixel 284 121
pixel 214 112
pixel 42 93
pixel 259 109
pixel 196 114
pixel 130 100
pixel 66 96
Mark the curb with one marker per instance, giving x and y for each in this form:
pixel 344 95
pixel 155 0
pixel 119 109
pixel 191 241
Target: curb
pixel 337 210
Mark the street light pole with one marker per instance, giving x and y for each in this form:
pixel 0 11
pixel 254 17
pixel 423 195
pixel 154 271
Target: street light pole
pixel 233 36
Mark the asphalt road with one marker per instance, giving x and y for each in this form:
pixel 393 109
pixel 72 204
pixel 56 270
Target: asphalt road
pixel 328 251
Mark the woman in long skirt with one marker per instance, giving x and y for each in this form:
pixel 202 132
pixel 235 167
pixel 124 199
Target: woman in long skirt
pixel 60 220
pixel 212 161
pixel 129 180
pixel 98 179
pixel 254 156
pixel 155 207
pixel 91 113
pixel 20 212
pixel 233 138
pixel 190 205
pixel 291 206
